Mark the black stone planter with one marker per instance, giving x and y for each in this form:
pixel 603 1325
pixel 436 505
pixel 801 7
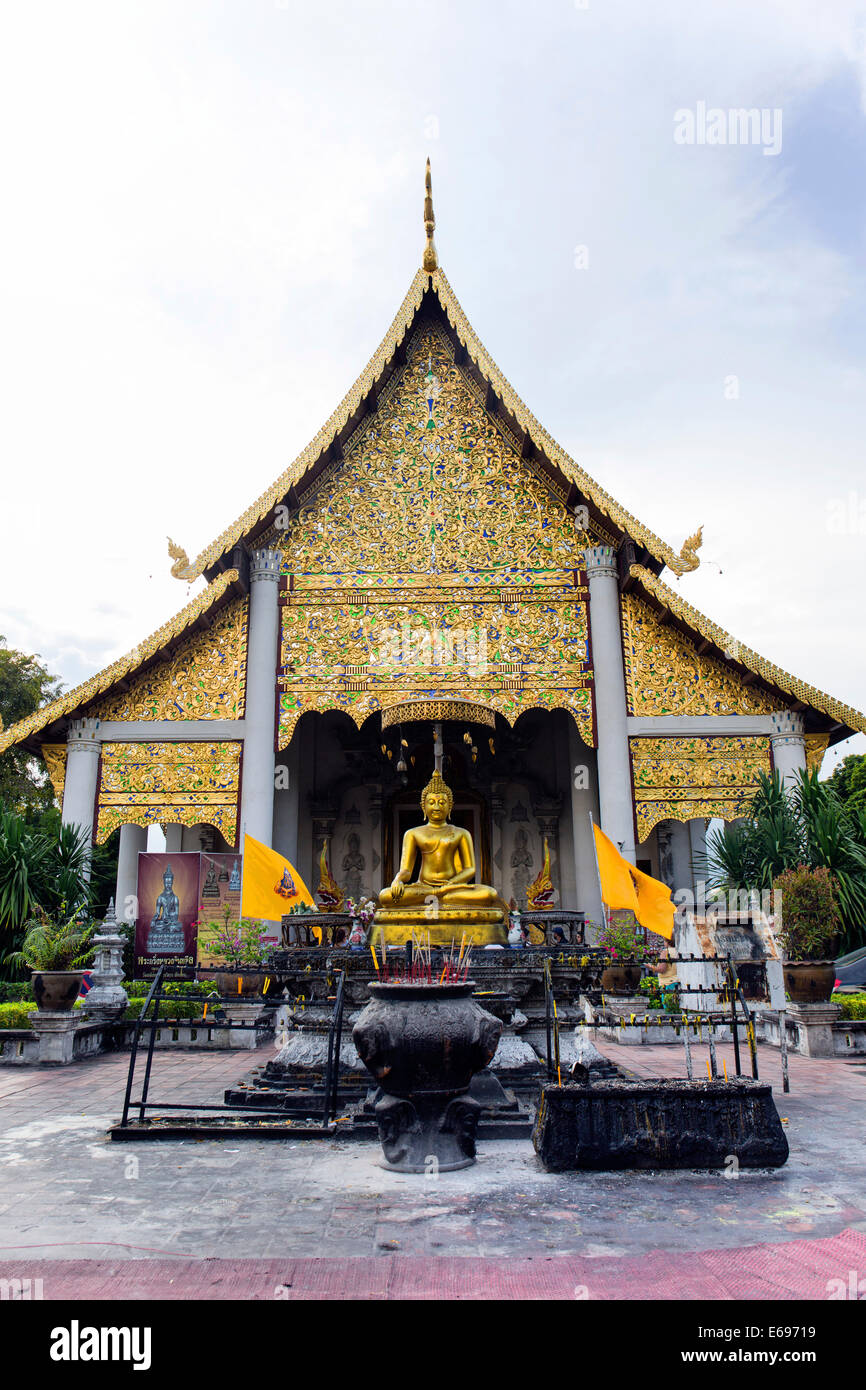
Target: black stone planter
pixel 659 1124
pixel 423 1044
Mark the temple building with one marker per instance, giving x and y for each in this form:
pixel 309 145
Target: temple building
pixel 432 559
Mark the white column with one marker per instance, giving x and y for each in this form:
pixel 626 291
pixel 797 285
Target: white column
pixel 681 857
pixel 287 802
pixel 82 769
pixel 789 747
pixel 133 841
pixel 584 800
pixel 257 797
pixel 698 841
pixel 173 838
pixel 614 769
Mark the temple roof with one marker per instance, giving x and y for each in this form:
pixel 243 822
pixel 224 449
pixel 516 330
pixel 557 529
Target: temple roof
pixel 805 696
pixel 153 646
pixel 428 286
pixel 431 294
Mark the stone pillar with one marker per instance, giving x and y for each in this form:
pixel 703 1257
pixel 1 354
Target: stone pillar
pixel 698 839
pixel 56 1033
pixel 614 768
pixel 497 848
pixel 789 747
pixel 286 801
pixel 257 799
pixel 584 800
pixel 675 856
pixel 173 838
pixel 82 777
pixel 133 841
pixel 106 1000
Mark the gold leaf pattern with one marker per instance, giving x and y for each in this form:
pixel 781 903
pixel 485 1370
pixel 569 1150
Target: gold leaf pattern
pixel 55 761
pixel 683 778
pixel 169 783
pixel 665 675
pixel 204 677
pixel 436 538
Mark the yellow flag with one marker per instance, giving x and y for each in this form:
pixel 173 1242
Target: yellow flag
pixel 270 884
pixel 617 884
pixel 655 910
pixel 624 886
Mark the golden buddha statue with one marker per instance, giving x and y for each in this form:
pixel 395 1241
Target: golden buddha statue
pixel 444 900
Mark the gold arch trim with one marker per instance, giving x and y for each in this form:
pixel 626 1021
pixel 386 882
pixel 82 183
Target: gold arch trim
pixel 439 709
pixel 169 784
pixel 684 778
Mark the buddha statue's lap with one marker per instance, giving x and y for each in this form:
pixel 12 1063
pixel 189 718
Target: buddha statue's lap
pixel 444 900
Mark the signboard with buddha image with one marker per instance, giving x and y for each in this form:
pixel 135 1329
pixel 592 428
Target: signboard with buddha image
pixel 168 902
pixel 219 899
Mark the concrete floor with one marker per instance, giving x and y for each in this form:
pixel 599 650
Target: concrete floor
pixel 67 1193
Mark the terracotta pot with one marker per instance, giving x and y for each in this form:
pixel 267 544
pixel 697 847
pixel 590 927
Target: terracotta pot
pixel 56 991
pixel 809 981
pixel 227 982
pixel 423 1044
pixel 620 979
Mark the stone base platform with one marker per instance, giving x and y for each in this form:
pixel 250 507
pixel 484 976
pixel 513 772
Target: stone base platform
pixel 659 1124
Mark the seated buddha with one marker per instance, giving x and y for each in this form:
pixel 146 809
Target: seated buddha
pixel 166 930
pixel 445 891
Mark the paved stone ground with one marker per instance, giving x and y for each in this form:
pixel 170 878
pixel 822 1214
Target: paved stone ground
pixel 67 1193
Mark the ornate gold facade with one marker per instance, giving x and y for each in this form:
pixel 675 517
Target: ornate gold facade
pixel 169 784
pixel 55 761
pixel 202 679
pixel 682 778
pixel 433 564
pixel 665 675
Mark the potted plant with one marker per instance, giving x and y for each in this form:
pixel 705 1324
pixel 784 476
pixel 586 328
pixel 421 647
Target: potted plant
pixel 241 948
pixel 57 953
pixel 809 933
pixel 627 952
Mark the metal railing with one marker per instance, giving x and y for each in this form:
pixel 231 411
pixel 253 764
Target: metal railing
pixel 154 1023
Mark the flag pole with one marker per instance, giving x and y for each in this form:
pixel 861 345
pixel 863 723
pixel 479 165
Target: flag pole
pixel 604 910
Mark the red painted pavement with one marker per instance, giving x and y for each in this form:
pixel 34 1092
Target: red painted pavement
pixel 797 1269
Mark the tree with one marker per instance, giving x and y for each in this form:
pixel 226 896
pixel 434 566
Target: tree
pixel 25 686
pixel 40 872
pixel 849 780
pixel 813 826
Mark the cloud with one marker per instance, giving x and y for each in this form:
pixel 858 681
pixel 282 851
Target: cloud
pixel 214 212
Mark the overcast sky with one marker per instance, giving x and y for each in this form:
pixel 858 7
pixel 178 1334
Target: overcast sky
pixel 213 210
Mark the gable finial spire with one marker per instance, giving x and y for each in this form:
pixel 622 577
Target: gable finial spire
pixel 431 260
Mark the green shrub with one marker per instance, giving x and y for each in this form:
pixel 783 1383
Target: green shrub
pixel 853 1005
pixel 16 993
pixel 15 1015
pixel 52 945
pixel 650 988
pixel 167 1009
pixel 810 921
